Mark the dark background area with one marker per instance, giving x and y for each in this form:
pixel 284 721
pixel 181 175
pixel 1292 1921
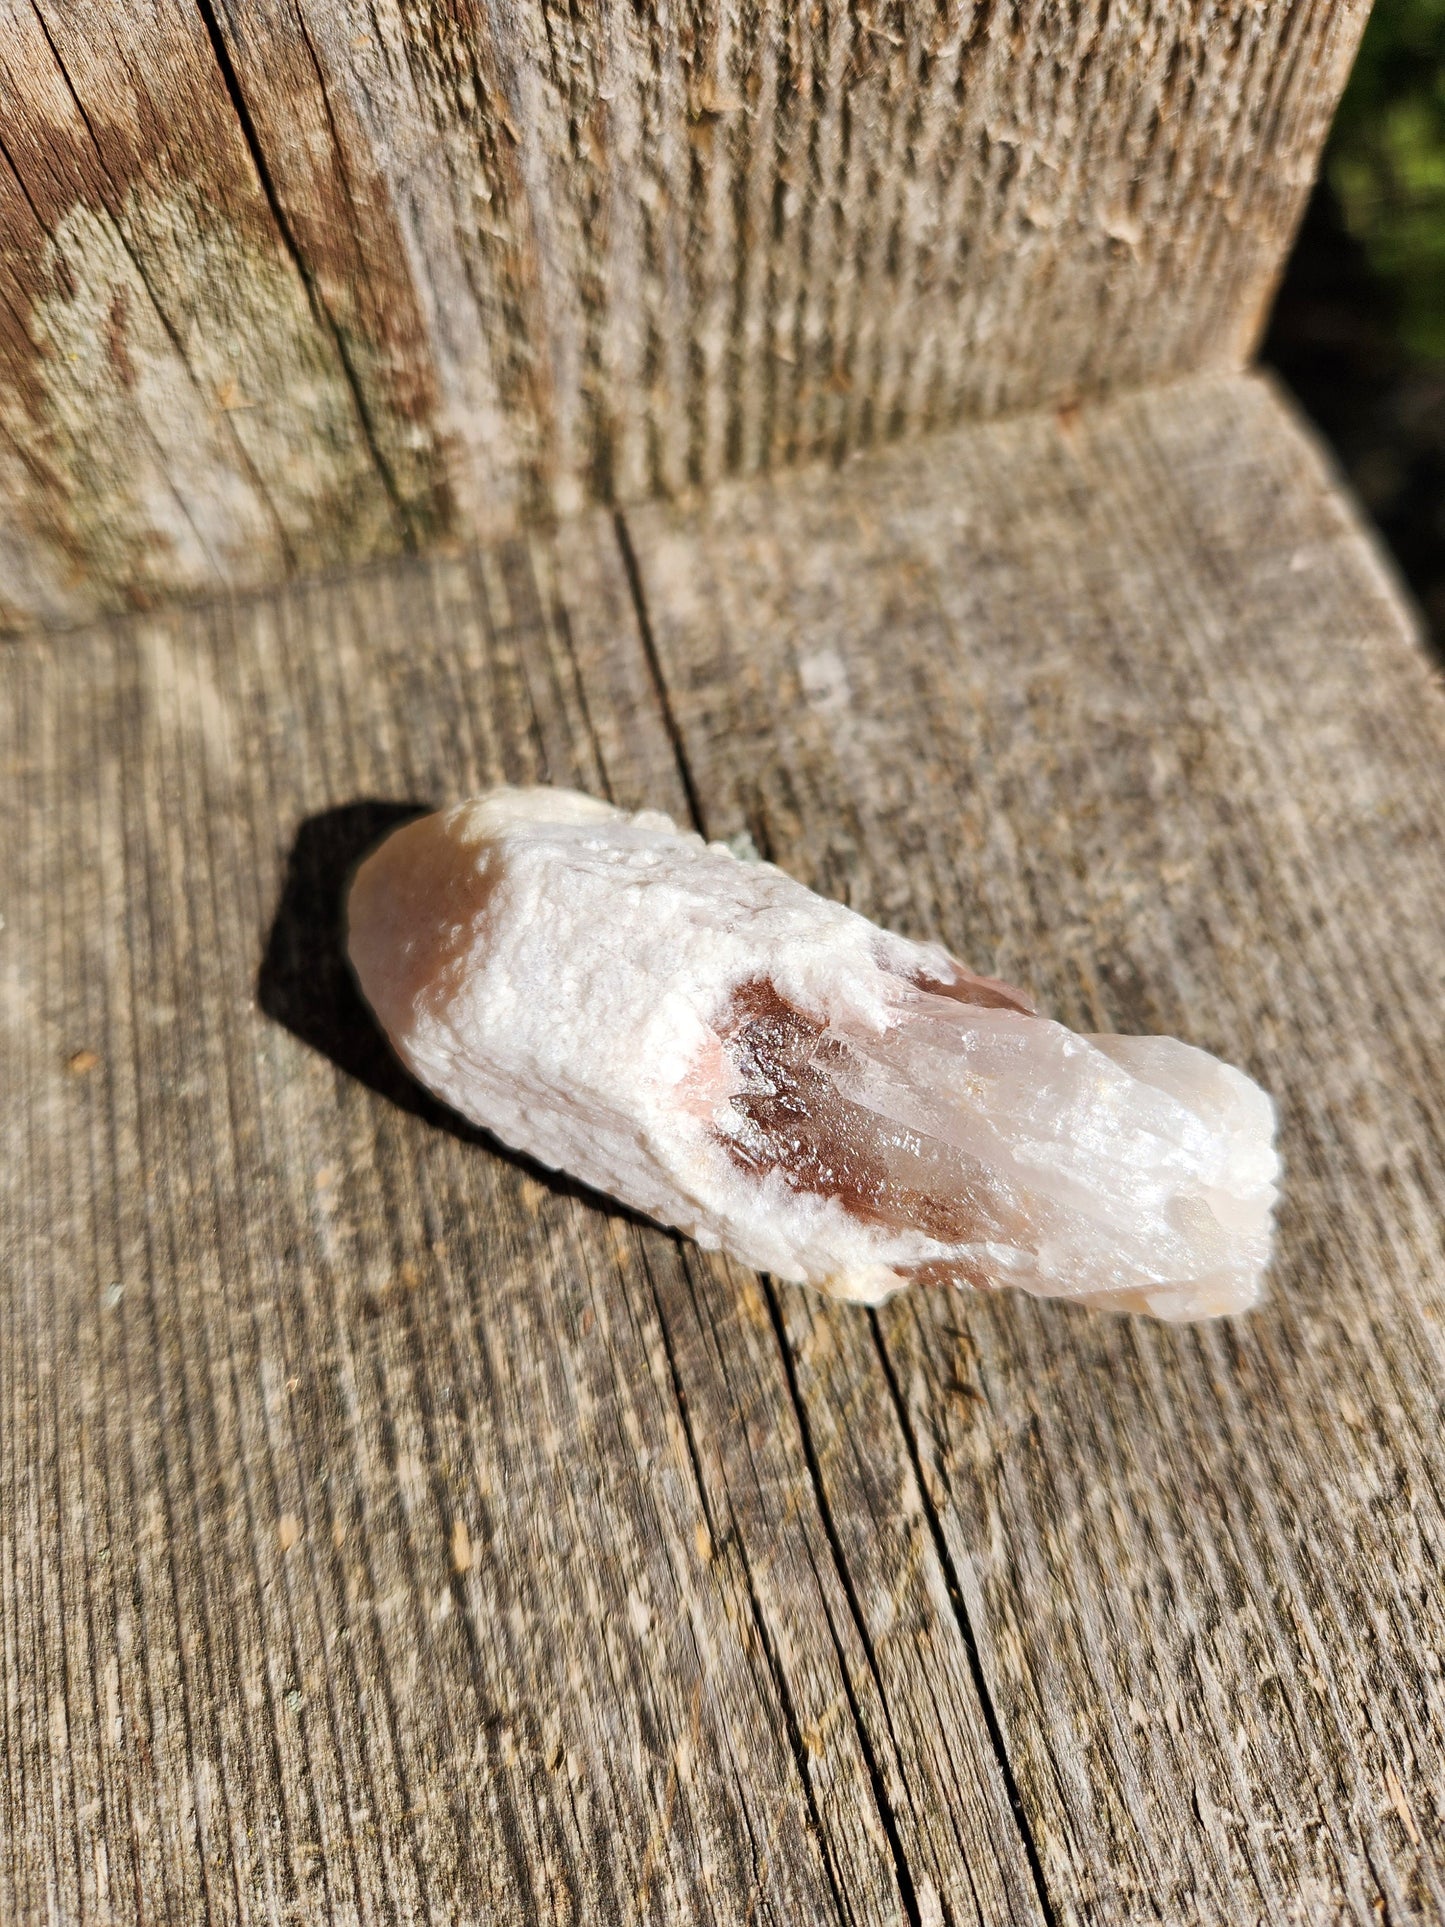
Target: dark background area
pixel 1358 331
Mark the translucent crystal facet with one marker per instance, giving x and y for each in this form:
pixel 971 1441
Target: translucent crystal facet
pixel 766 1070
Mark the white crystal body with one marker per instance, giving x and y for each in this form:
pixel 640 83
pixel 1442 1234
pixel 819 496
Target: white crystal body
pixel 567 976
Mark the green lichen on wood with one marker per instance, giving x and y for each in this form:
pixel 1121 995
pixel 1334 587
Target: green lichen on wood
pixel 194 423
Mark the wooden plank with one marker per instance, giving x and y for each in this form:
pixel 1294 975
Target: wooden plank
pixel 388 1532
pixel 1124 708
pixel 288 283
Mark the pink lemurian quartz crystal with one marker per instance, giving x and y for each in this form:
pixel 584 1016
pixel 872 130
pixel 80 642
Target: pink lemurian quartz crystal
pixel 720 1048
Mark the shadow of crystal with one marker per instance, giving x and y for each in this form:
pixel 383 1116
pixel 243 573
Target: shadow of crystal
pixel 305 982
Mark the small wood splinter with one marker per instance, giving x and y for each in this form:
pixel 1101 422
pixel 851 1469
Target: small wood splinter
pixel 718 1047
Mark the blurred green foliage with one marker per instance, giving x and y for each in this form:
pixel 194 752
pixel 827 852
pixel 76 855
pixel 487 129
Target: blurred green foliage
pixel 1386 164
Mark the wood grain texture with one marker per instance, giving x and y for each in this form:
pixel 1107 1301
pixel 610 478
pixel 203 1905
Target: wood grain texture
pixel 389 1532
pixel 1122 709
pixel 288 281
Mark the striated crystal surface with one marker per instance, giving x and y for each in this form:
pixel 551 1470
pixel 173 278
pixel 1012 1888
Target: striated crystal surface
pixel 712 1043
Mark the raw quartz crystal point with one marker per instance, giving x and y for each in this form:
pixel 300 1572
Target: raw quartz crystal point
pixel 720 1048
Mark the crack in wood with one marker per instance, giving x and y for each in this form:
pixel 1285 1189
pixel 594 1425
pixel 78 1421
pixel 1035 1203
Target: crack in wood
pixel 654 665
pixel 965 1627
pixel 319 306
pixel 721 1541
pixel 887 1812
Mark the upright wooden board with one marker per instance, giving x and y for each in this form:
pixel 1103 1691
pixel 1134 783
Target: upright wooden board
pixel 289 281
pixel 391 1532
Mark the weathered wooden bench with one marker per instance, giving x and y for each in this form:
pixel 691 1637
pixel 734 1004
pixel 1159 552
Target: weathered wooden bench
pixel 824 423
